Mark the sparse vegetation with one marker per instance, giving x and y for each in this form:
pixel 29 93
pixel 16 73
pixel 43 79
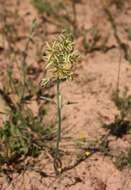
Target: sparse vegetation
pixel 122 123
pixel 52 105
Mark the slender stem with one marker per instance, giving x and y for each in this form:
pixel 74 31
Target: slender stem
pixel 58 116
pixel 24 58
pixel 75 16
pixel 118 75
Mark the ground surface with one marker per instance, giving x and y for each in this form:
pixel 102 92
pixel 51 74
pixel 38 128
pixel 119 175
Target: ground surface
pixel 91 91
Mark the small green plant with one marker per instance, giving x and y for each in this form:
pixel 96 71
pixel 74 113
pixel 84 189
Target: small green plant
pixel 123 160
pixel 22 135
pixel 123 102
pixel 60 13
pixel 119 127
pixel 23 132
pixel 42 6
pixel 91 43
pixel 60 57
pixel 122 123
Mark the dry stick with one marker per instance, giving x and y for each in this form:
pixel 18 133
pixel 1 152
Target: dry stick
pixel 119 73
pixel 122 45
pixel 45 19
pixel 75 16
pixel 92 151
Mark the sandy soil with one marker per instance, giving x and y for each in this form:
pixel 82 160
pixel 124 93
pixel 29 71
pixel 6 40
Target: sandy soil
pixel 91 93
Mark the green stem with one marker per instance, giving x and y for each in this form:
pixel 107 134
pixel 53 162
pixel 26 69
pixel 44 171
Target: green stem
pixel 58 117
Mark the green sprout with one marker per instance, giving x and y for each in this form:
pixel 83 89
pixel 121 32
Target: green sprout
pixel 60 58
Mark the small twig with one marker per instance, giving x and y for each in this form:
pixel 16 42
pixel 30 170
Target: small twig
pixel 122 45
pixel 47 99
pixel 76 163
pixel 100 48
pixel 119 73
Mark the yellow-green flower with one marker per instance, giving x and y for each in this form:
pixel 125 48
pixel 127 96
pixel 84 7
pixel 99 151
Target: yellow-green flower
pixel 60 57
